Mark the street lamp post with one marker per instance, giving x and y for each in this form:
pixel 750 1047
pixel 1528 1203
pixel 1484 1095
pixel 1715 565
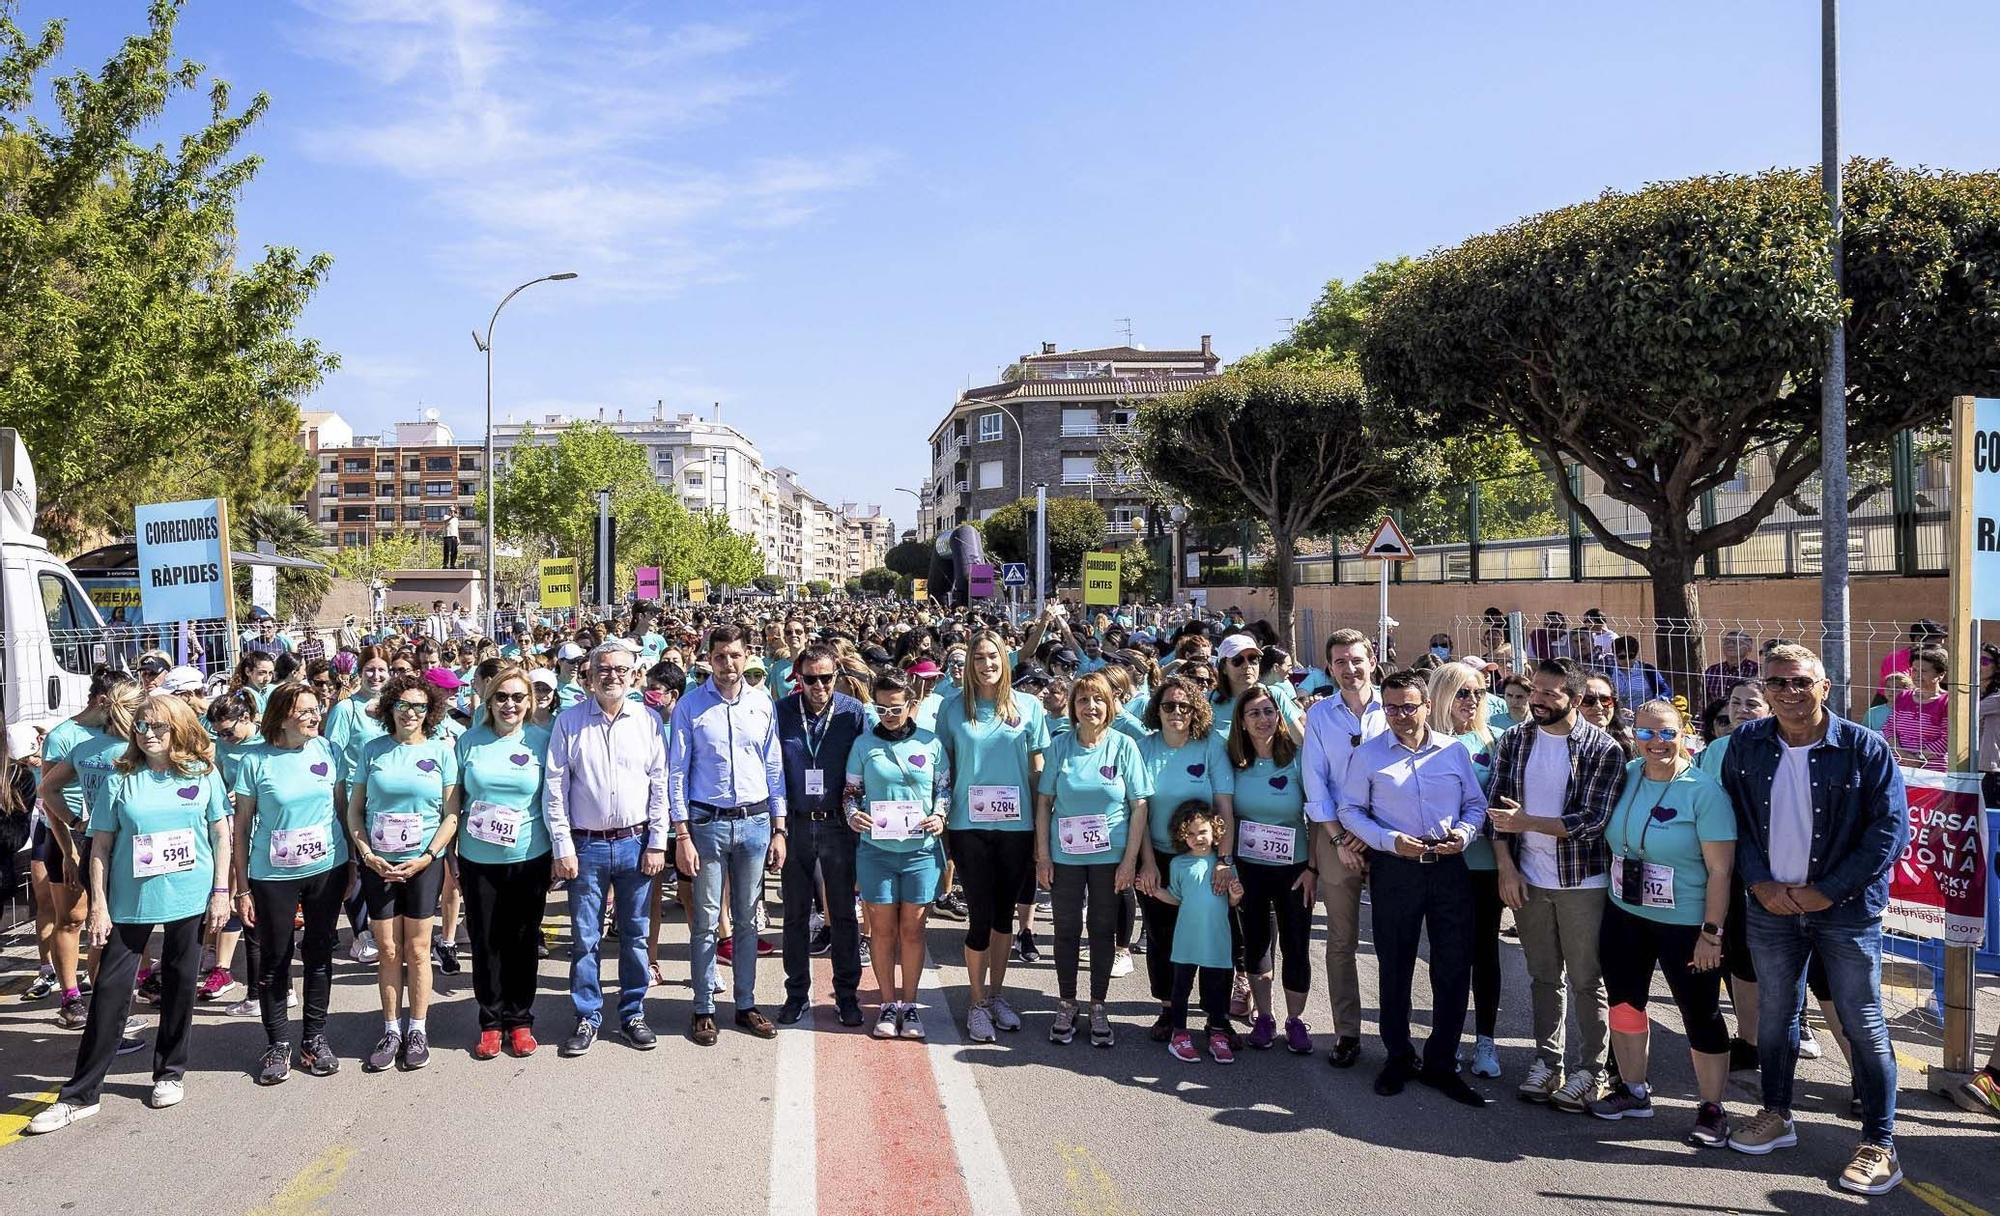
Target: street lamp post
pixel 923 502
pixel 485 346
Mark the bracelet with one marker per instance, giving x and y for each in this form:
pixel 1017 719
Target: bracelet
pixel 218 890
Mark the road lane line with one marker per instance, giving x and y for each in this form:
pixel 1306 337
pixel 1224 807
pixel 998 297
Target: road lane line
pixel 14 1124
pixel 1092 1192
pixel 1943 1200
pixel 302 1196
pixel 987 1182
pixel 794 1134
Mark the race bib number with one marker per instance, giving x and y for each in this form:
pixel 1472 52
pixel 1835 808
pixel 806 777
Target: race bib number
pixel 1084 834
pixel 497 825
pixel 995 804
pixel 1272 844
pixel 815 782
pixel 157 853
pixel 295 847
pixel 1648 884
pixel 395 831
pixel 895 819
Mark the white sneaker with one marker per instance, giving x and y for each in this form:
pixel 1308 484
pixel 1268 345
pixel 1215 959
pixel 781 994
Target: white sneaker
pixel 979 1024
pixel 1541 1082
pixel 166 1093
pixel 913 1023
pixel 291 1000
pixel 1004 1016
pixel 886 1022
pixel 1809 1048
pixel 760 917
pixel 363 950
pixel 1485 1058
pixel 1121 964
pixel 55 1117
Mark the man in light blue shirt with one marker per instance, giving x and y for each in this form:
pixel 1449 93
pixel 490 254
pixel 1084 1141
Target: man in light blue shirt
pixel 1412 799
pixel 726 797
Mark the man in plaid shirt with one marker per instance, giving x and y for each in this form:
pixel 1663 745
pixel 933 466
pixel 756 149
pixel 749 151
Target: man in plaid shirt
pixel 1555 779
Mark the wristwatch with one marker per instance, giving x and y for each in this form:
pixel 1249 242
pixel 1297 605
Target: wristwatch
pixel 1711 929
pixel 781 830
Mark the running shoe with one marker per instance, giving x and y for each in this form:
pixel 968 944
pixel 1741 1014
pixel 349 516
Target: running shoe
pixel 131 1043
pixel 1063 1029
pixel 245 1008
pixel 1004 1017
pixel 864 954
pixel 1541 1083
pixel 1263 1032
pixel 913 1023
pixel 1766 1131
pixel 1485 1057
pixel 1298 1037
pixel 979 1024
pixel 951 905
pixel 1711 1127
pixel 725 952
pixel 44 984
pixel 72 1014
pixel 1025 950
pixel 445 955
pixel 166 1092
pixel 149 987
pixel 887 1024
pixel 1162 1030
pixel 1121 964
pixel 362 948
pixel 214 984
pixel 1219 1049
pixel 1809 1048
pixel 1100 1027
pixel 416 1050
pixel 1742 1056
pixel 58 1115
pixel 1144 942
pixel 1622 1103
pixel 387 1048
pixel 1180 1045
pixel 276 1064
pixel 1581 1089
pixel 822 941
pixel 766 947
pixel 1239 996
pixel 317 1057
pixel 1982 1092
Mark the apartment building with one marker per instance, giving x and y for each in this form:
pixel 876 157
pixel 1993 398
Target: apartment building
pixel 1050 419
pixel 405 480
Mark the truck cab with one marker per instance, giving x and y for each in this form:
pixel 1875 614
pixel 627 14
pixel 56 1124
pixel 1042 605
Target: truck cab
pixel 51 636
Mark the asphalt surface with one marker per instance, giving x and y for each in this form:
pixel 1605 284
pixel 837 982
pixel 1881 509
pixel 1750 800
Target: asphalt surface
pixel 825 1119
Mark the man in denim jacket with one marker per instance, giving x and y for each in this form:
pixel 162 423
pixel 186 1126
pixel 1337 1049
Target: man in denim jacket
pixel 1822 817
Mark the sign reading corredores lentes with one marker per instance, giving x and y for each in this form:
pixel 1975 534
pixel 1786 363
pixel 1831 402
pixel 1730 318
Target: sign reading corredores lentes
pixel 183 570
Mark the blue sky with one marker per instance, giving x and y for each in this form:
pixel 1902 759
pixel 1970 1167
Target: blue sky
pixel 831 216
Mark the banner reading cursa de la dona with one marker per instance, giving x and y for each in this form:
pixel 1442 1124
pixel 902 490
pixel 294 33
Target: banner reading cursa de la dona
pixel 1938 887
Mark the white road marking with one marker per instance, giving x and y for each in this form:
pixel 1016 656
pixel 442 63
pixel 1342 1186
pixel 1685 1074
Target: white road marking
pixel 794 1129
pixel 987 1182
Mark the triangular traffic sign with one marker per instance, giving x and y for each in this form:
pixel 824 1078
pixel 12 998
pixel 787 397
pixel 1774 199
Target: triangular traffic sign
pixel 1388 544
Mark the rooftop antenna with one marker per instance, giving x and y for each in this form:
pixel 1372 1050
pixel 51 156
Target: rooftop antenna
pixel 1125 327
pixel 1291 325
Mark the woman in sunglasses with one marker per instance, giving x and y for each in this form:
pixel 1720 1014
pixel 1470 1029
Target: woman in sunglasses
pixel 1460 691
pixel 504 859
pixel 402 812
pixel 1672 836
pixel 1269 803
pixel 1239 668
pixel 1599 706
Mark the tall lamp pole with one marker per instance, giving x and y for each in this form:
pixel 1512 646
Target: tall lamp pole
pixel 1835 642
pixel 485 346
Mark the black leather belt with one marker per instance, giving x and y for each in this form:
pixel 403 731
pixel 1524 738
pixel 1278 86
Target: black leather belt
pixel 748 810
pixel 625 833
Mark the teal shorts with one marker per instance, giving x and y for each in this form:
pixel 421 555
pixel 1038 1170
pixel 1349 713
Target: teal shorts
pixel 883 876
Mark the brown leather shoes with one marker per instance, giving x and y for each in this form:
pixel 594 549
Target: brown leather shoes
pixel 702 1030
pixel 756 1023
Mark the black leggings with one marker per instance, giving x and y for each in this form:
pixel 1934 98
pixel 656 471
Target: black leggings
pixel 1160 921
pixel 275 900
pixel 1486 907
pixel 1629 946
pixel 1268 889
pixel 991 864
pixel 1098 882
pixel 1214 995
pixel 1128 916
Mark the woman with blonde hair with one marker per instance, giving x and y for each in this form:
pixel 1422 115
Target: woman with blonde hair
pixel 159 858
pixel 1458 698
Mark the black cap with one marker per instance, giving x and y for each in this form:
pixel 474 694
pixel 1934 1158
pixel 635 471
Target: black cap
pixel 1063 656
pixel 1029 677
pixel 153 665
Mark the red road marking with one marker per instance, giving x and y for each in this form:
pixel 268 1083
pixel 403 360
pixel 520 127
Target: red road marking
pixel 883 1144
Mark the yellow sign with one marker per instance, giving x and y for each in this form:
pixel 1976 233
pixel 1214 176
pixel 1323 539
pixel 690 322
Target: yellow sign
pixel 1100 578
pixel 920 589
pixel 108 598
pixel 697 591
pixel 558 582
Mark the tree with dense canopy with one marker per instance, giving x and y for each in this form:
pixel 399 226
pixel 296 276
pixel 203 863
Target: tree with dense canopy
pixel 1076 526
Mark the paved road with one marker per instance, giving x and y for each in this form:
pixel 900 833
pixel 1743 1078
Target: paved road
pixel 828 1120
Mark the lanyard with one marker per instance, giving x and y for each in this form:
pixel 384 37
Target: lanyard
pixel 1666 789
pixel 816 728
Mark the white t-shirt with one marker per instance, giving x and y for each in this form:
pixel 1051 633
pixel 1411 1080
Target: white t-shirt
pixel 1545 792
pixel 1792 815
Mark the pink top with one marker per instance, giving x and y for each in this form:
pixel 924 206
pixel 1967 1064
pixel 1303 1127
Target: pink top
pixel 1919 728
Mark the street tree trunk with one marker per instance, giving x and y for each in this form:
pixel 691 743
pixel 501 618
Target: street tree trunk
pixel 1677 627
pixel 1285 559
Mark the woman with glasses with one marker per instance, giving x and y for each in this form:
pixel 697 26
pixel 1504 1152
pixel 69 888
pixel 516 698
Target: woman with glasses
pixel 402 811
pixel 1092 794
pixel 159 858
pixel 1268 806
pixel 1672 836
pixel 290 855
pixel 1460 692
pixel 993 738
pixel 504 860
pixel 1239 668
pixel 1186 761
pixel 1599 706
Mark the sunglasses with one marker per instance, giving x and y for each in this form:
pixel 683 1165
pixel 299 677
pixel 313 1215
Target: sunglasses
pixel 816 681
pixel 1791 683
pixel 1466 694
pixel 413 707
pixel 1595 698
pixel 1403 711
pixel 1248 656
pixel 143 727
pixel 508 698
pixel 1665 734
pixel 753 676
pixel 1176 707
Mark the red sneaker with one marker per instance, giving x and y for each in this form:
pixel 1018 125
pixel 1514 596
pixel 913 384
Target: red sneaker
pixel 1219 1049
pixel 489 1045
pixel 520 1042
pixel 725 952
pixel 766 947
pixel 1181 1047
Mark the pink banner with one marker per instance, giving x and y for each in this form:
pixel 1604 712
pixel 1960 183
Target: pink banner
pixel 1938 887
pixel 979 581
pixel 648 579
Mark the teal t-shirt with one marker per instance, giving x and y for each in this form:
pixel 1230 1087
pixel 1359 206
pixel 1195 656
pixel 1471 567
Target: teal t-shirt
pixel 1225 711
pixel 569 693
pixel 296 831
pixel 350 727
pixel 988 754
pixel 1665 822
pixel 229 756
pixel 94 759
pixel 1094 789
pixel 1201 930
pixel 261 695
pixel 900 770
pixel 1267 792
pixel 507 773
pixel 162 865
pixel 780 678
pixel 63 739
pixel 1196 771
pixel 927 711
pixel 1479 854
pixel 405 799
pixel 1710 759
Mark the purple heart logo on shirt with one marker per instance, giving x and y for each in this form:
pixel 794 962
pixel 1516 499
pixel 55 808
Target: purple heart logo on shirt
pixel 918 761
pixel 1280 781
pixel 284 850
pixel 1109 772
pixel 1196 770
pixel 520 757
pixel 145 852
pixel 1483 758
pixel 189 792
pixel 319 768
pixel 429 766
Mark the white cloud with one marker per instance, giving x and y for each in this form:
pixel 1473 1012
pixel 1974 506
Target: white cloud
pixel 555 137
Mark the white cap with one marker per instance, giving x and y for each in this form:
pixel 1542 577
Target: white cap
pixel 1235 644
pixel 183 679
pixel 20 740
pixel 543 676
pixel 570 652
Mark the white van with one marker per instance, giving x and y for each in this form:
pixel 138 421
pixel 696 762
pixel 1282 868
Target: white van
pixel 51 636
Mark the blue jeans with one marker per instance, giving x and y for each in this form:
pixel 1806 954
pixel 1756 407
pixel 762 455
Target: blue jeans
pixel 613 864
pixel 1848 942
pixel 736 847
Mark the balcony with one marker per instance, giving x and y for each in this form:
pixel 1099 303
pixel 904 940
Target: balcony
pixel 1095 430
pixel 964 487
pixel 960 442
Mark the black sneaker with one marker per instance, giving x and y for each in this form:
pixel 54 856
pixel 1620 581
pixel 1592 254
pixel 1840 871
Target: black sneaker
pixel 445 954
pixel 578 1043
pixel 317 1057
pixel 44 984
pixel 848 1009
pixel 637 1034
pixel 1025 950
pixel 822 941
pixel 276 1064
pixel 73 1014
pixel 794 1009
pixel 149 991
pixel 951 905
pixel 416 1050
